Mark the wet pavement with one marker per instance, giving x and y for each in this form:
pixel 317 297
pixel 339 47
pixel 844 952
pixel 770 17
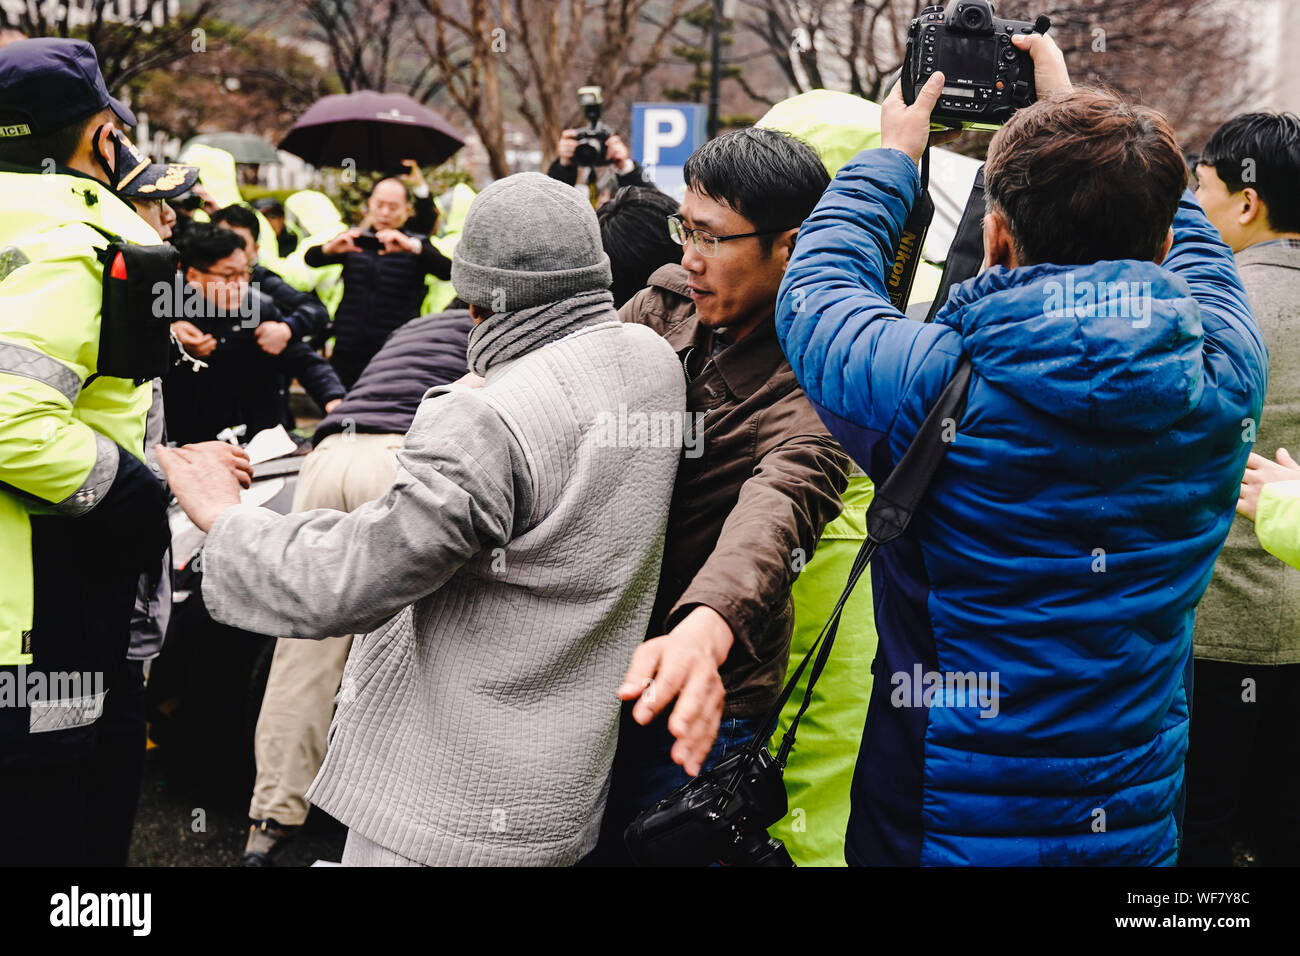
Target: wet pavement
pixel 184 820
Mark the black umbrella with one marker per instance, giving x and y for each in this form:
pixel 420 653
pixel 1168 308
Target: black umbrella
pixel 373 130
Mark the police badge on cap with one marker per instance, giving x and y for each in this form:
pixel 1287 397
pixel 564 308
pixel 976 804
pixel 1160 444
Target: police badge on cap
pixel 133 176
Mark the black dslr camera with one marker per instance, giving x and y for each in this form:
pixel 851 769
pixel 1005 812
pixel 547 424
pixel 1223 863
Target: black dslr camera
pixel 721 816
pixel 986 77
pixel 591 141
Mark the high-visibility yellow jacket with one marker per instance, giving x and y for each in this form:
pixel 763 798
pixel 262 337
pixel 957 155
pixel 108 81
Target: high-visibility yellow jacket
pixel 318 221
pixel 60 430
pixel 455 205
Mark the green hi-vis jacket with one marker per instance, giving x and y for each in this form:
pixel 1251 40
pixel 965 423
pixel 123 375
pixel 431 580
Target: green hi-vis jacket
pixel 1277 521
pixel 60 431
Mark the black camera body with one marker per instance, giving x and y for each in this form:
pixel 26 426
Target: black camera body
pixel 986 77
pixel 721 816
pixel 590 151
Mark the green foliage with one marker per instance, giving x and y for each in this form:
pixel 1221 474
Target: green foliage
pixel 699 56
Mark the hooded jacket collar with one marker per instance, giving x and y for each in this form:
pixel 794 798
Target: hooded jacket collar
pixel 1114 345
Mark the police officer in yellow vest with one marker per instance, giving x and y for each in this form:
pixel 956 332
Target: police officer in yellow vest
pixel 81 514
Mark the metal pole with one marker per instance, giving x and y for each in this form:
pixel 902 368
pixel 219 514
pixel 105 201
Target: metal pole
pixel 715 68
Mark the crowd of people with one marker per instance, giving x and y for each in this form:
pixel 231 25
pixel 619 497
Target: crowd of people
pixel 511 617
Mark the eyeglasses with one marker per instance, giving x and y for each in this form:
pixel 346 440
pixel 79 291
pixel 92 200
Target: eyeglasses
pixel 706 242
pixel 243 276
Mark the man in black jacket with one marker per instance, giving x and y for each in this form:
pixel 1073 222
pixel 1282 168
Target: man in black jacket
pixel 384 267
pixel 216 318
pixel 303 317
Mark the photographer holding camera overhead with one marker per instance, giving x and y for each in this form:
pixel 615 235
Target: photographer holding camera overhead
pixel 1058 559
pixel 593 147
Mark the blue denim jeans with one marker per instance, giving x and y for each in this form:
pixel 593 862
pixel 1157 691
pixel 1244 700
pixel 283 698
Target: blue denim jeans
pixel 644 773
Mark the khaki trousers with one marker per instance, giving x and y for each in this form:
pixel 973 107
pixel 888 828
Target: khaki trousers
pixel 344 472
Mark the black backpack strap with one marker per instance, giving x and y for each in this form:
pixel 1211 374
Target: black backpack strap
pixel 966 254
pixel 891 510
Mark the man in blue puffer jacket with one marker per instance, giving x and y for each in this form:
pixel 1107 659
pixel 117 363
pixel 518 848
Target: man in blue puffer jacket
pixel 1048 584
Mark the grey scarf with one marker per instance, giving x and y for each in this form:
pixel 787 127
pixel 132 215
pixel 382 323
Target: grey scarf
pixel 507 335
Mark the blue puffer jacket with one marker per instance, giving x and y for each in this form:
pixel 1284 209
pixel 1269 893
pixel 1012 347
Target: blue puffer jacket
pixel 1059 557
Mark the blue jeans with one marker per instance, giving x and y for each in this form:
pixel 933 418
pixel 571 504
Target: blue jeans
pixel 644 773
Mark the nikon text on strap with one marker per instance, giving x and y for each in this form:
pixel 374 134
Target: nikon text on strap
pixel 907 257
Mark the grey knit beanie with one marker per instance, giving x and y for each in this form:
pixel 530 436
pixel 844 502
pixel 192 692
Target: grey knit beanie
pixel 528 240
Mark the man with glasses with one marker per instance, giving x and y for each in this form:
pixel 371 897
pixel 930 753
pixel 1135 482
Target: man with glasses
pixel 759 478
pixel 234 380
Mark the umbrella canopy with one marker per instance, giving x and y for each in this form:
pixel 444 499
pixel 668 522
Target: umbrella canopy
pixel 245 147
pixel 373 130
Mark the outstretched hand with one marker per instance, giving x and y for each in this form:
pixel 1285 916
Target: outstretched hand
pixel 1260 472
pixel 205 478
pixel 1050 73
pixel 683 664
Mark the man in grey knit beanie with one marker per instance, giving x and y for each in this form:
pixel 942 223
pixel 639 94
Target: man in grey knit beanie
pixel 528 240
pixel 508 575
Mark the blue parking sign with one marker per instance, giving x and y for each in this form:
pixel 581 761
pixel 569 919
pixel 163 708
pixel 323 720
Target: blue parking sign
pixel 663 135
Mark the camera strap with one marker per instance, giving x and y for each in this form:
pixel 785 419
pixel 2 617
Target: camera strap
pixel 888 516
pixel 966 254
pixel 907 257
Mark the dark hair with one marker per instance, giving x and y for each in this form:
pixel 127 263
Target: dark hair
pixel 634 232
pixel 269 207
pixel 238 217
pixel 769 177
pixel 59 145
pixel 1262 151
pixel 1083 176
pixel 203 244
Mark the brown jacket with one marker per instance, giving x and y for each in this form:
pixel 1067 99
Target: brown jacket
pixel 748 511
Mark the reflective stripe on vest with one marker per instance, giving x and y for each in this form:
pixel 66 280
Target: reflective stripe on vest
pixel 29 363
pixel 97 483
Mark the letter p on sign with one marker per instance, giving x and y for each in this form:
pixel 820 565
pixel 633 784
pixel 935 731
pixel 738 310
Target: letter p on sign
pixel 664 129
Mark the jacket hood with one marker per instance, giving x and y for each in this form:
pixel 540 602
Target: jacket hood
pixel 1112 345
pixel 216 172
pixel 39 202
pixel 313 213
pixel 837 125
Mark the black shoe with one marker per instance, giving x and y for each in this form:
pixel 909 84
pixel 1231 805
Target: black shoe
pixel 265 837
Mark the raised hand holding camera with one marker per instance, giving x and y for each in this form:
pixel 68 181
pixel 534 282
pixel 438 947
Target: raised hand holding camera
pixel 907 128
pixel 988 76
pixel 1050 72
